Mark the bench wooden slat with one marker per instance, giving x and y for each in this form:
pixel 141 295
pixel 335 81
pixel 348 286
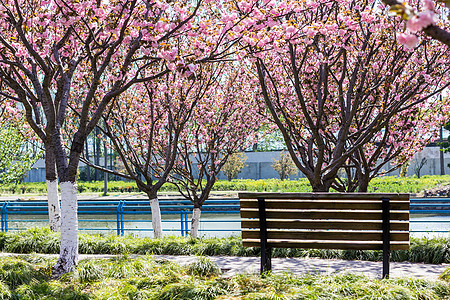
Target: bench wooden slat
pixel 328 196
pixel 325 235
pixel 325 224
pixel 319 214
pixel 324 204
pixel 367 245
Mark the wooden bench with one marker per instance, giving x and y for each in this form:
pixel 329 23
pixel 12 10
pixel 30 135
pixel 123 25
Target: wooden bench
pixel 356 221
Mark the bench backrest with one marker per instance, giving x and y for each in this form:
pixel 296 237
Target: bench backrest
pixel 325 220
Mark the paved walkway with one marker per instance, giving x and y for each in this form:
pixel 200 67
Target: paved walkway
pixel 232 265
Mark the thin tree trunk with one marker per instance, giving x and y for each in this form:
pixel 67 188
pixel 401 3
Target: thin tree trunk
pixel 68 256
pixel 97 154
pixel 88 169
pixel 195 224
pixel 156 217
pixel 54 210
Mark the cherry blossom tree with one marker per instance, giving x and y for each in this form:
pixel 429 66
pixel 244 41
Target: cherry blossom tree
pixel 145 128
pixel 395 145
pixel 333 77
pixel 83 54
pixel 225 121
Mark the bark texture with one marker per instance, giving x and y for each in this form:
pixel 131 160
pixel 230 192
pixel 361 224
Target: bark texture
pixel 195 224
pixel 68 256
pixel 54 209
pixel 156 218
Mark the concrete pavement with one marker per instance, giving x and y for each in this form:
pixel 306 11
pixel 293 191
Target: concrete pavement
pixel 231 265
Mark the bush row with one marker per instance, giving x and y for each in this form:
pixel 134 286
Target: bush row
pixel 386 184
pixel 42 240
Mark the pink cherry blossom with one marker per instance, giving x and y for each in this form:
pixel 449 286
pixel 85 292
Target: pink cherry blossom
pixel 408 39
pixel 421 20
pixel 428 4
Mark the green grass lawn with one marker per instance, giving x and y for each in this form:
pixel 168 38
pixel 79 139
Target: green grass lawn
pixel 29 277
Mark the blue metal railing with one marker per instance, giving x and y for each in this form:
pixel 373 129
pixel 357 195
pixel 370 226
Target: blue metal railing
pixel 436 207
pixel 123 208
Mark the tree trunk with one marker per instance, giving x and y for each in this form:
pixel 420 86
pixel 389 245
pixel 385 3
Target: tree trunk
pixel 320 187
pixel 68 256
pixel 363 183
pixel 156 217
pixel 54 210
pixel 195 224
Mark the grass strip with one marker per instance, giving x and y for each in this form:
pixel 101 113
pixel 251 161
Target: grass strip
pixel 146 278
pixel 43 240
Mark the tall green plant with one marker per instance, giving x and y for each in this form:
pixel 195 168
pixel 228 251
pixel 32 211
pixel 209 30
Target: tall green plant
pixel 284 166
pixel 234 165
pixel 17 156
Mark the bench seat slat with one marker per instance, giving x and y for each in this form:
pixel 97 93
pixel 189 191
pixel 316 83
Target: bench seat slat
pixel 322 196
pixel 325 224
pixel 336 215
pixel 344 245
pixel 325 235
pixel 324 204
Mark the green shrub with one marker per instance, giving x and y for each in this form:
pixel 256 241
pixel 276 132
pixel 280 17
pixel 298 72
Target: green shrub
pixel 384 184
pixel 204 267
pixel 43 240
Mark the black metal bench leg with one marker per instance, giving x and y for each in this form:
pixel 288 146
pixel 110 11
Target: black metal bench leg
pixel 386 236
pixel 266 259
pixel 266 251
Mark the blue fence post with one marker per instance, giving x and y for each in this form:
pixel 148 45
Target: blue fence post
pixel 122 212
pixel 119 212
pixel 186 223
pixel 181 223
pixel 5 216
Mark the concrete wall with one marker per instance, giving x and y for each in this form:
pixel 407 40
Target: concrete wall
pixel 432 166
pixel 258 166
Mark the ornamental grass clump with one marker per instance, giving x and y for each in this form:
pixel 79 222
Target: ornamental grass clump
pixel 16 271
pixel 43 240
pixel 204 267
pixel 143 277
pixel 37 239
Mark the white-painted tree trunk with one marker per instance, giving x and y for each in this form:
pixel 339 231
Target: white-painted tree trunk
pixel 156 218
pixel 195 224
pixel 68 255
pixel 54 210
